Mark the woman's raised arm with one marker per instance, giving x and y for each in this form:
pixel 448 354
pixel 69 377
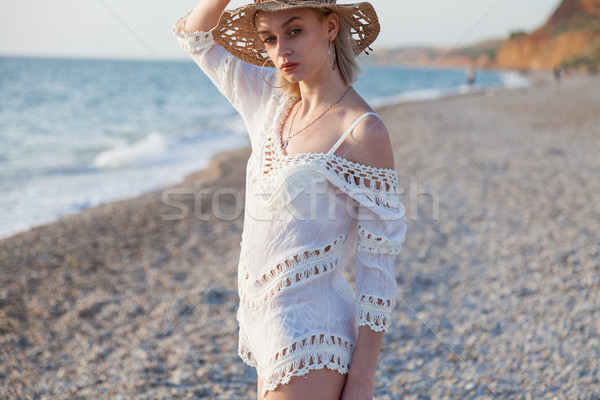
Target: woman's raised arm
pixel 240 82
pixel 205 15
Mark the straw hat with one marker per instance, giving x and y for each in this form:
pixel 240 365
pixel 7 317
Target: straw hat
pixel 237 34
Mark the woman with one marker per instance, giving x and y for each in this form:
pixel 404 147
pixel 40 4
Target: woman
pixel 320 183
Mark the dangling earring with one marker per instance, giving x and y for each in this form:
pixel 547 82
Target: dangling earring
pixel 262 74
pixel 334 62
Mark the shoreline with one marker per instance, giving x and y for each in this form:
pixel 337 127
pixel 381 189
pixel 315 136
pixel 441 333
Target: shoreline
pixel 497 289
pixel 534 78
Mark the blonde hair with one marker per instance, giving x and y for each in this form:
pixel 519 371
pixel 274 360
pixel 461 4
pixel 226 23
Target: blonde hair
pixel 346 59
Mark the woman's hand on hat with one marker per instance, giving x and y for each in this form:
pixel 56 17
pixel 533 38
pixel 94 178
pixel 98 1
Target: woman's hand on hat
pixel 205 15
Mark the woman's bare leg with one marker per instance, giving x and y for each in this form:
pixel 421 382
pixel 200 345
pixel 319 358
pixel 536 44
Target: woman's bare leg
pixel 259 386
pixel 322 384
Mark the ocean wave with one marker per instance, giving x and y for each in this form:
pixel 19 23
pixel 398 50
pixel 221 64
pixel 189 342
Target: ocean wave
pixel 152 149
pixel 508 80
pixel 514 80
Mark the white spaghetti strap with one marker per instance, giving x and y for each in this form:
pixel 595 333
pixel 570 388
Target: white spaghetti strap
pixel 343 137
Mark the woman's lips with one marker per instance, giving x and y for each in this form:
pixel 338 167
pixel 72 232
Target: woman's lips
pixel 289 67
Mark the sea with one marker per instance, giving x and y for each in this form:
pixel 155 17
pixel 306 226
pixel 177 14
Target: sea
pixel 76 133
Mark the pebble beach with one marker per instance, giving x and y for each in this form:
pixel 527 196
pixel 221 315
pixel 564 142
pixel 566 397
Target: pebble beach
pixel 499 277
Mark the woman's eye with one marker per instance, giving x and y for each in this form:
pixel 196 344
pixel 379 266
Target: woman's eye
pixel 273 39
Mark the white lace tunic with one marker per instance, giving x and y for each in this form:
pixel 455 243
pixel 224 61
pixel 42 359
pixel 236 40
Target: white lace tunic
pixel 305 214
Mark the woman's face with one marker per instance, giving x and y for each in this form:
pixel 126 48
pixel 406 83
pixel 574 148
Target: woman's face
pixel 297 41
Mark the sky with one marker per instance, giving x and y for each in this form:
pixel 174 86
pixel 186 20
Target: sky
pixel 142 29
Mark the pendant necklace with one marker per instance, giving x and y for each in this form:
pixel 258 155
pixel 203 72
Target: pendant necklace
pixel 285 143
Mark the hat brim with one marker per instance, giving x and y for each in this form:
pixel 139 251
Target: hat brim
pixel 236 32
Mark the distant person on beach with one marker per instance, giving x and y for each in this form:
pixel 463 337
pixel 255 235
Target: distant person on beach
pixel 558 73
pixel 470 75
pixel 320 185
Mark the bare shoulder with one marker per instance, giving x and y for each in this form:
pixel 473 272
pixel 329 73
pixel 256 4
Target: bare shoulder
pixel 371 144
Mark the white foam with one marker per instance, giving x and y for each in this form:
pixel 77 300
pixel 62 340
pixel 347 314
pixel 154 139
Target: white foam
pixel 514 80
pixel 152 149
pixel 126 170
pixel 419 95
pixel 510 80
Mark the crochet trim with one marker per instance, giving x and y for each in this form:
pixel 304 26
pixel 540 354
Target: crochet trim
pixel 191 42
pixel 244 350
pixel 375 312
pixel 368 242
pixel 283 176
pixel 300 267
pixel 310 353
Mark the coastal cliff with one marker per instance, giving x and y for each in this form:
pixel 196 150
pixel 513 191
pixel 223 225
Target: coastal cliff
pixel 570 38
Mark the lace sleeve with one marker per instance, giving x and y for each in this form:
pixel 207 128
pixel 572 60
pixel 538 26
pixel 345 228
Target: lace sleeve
pixel 381 230
pixel 240 82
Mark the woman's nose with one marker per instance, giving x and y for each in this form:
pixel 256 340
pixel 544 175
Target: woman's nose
pixel 283 48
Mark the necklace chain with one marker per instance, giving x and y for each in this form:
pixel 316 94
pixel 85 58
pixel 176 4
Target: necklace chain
pixel 285 143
